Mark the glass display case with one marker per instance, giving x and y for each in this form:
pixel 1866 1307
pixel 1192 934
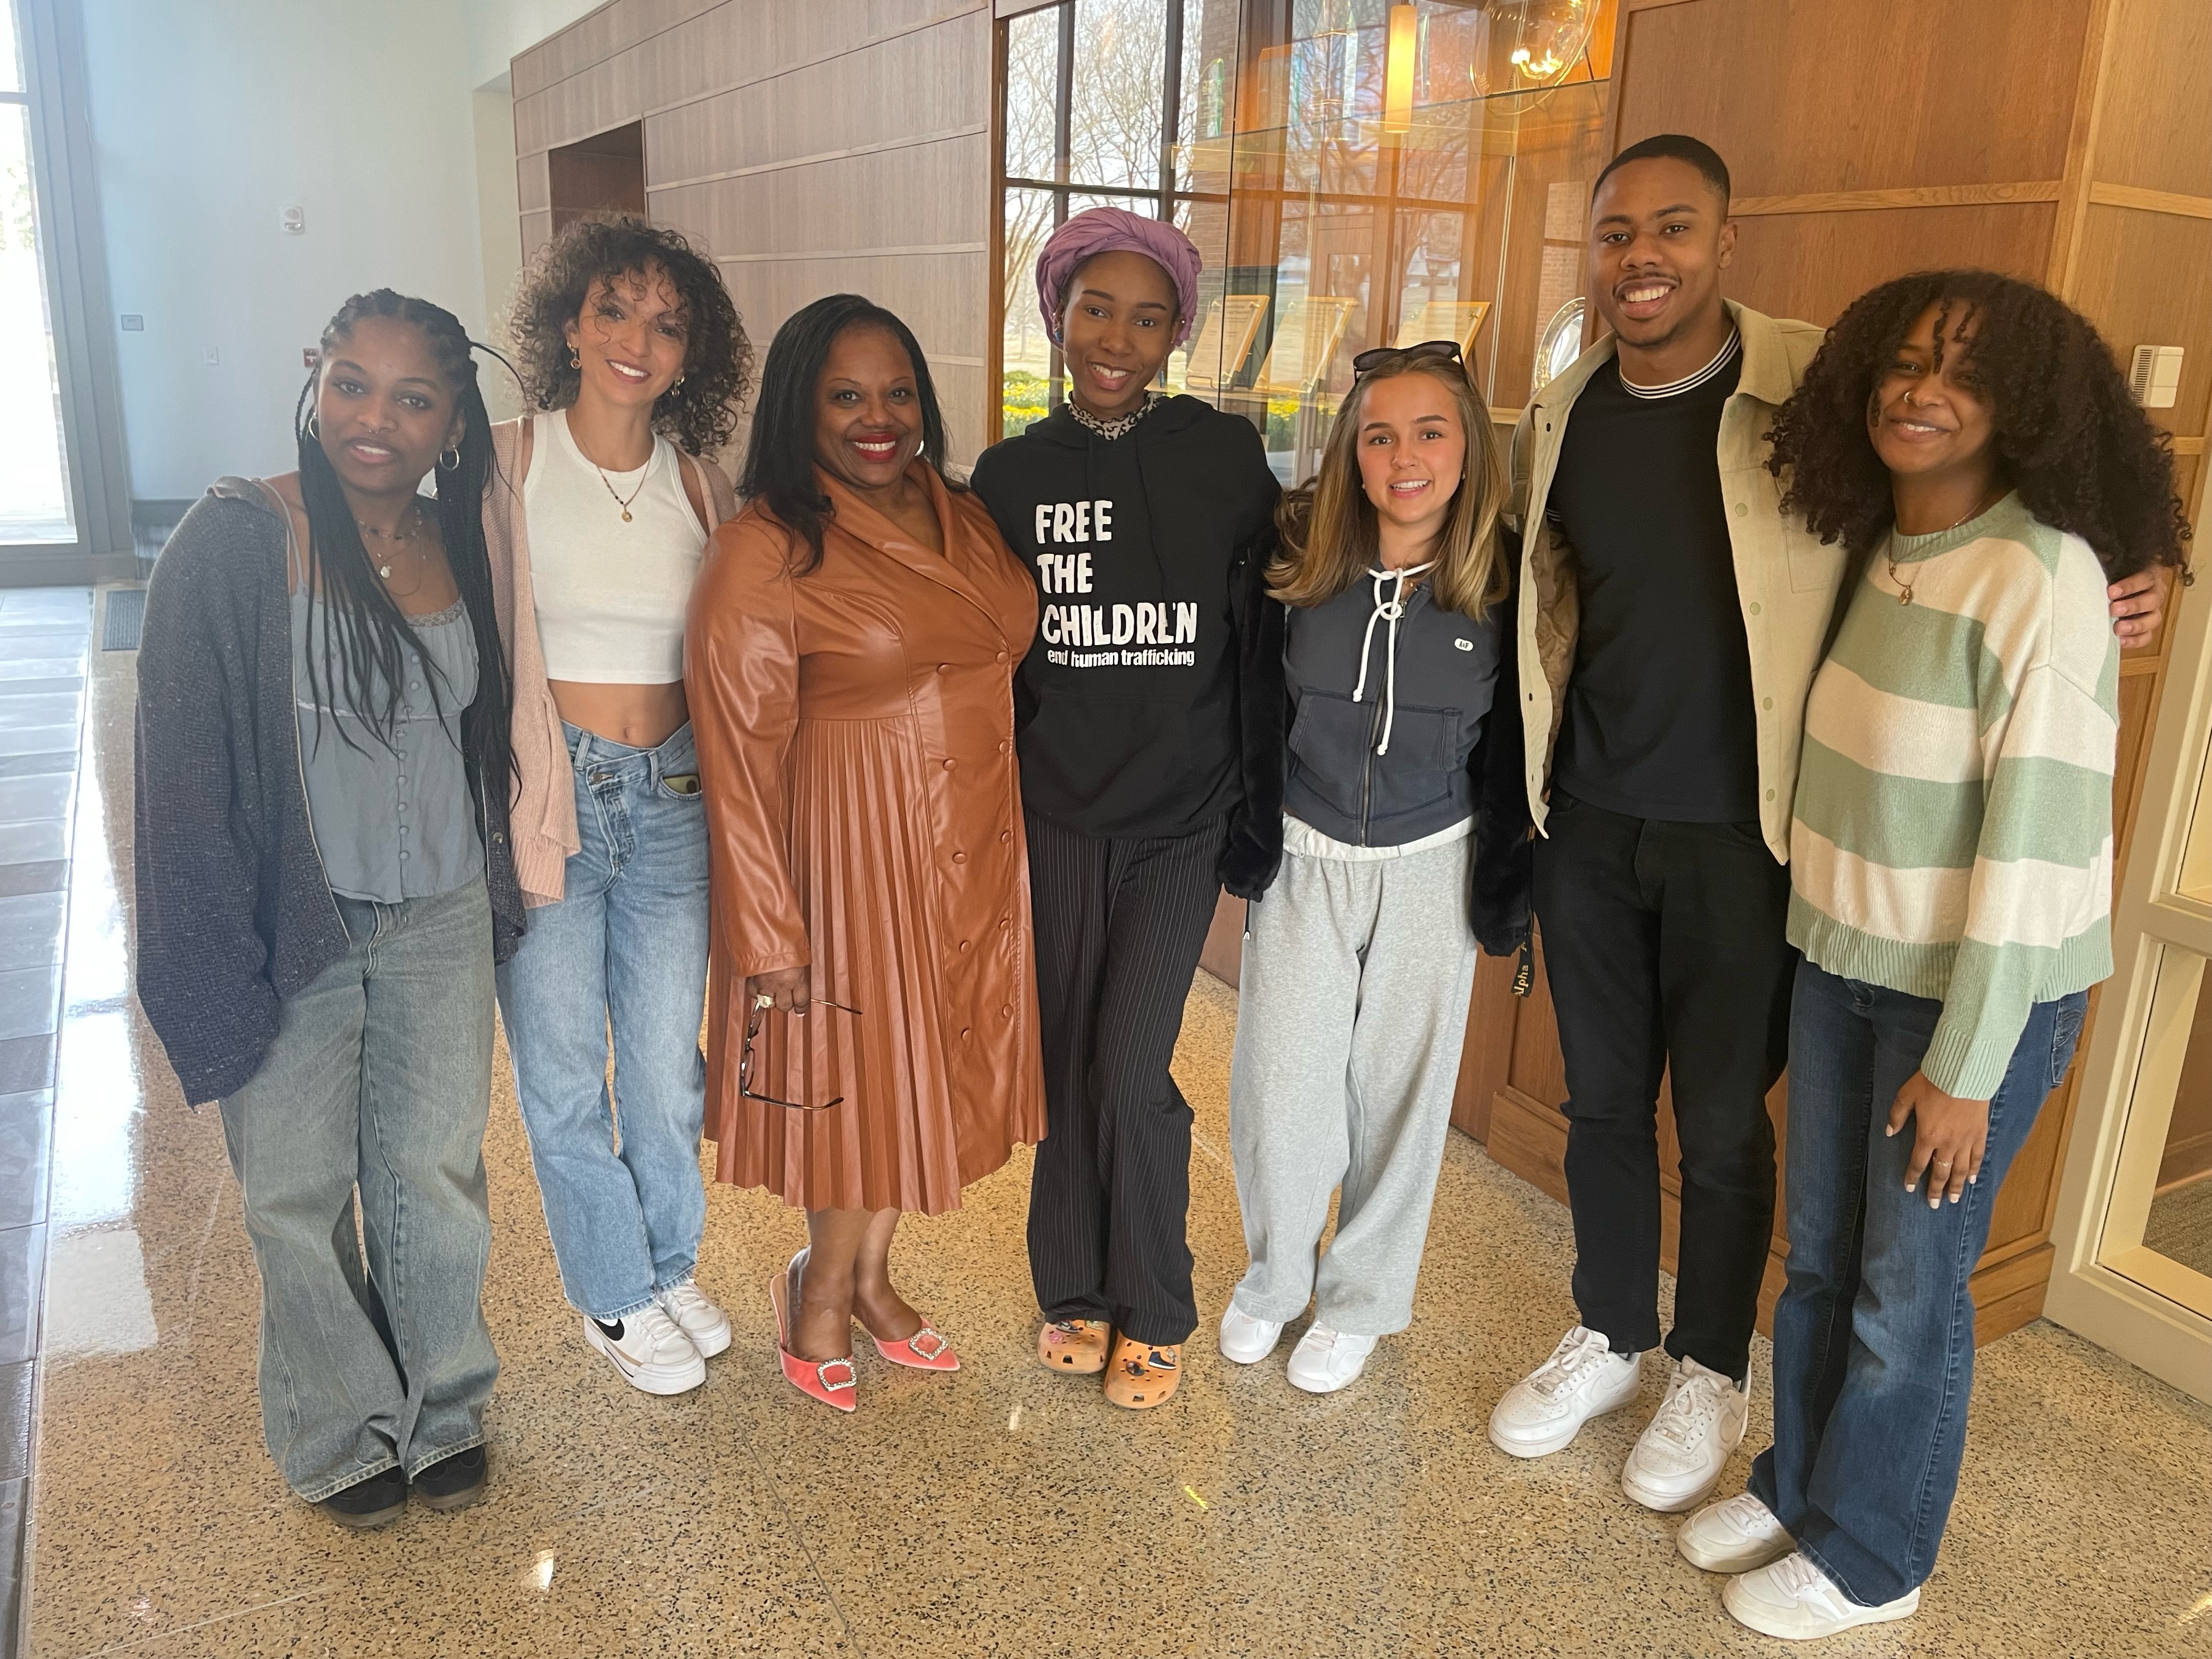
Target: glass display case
pixel 1356 174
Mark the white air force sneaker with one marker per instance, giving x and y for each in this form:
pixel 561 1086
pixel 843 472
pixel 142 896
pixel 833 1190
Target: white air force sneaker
pixel 1794 1600
pixel 707 1325
pixel 1245 1340
pixel 649 1349
pixel 1737 1535
pixel 1326 1360
pixel 1546 1409
pixel 1678 1461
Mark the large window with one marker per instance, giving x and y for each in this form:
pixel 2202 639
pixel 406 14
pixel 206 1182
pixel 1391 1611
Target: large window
pixel 1345 191
pixel 34 496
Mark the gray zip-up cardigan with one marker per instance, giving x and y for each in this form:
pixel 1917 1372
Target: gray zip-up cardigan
pixel 234 912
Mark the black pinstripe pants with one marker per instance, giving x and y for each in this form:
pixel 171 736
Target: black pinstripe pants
pixel 1119 923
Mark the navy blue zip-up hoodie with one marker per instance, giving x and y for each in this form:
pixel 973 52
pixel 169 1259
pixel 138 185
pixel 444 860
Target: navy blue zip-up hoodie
pixel 1150 702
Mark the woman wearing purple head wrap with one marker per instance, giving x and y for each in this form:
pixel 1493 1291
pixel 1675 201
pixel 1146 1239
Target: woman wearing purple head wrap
pixel 1148 717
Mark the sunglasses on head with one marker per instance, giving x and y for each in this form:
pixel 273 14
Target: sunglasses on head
pixel 1390 356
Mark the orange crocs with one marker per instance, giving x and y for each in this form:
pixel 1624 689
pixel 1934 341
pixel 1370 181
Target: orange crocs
pixel 1144 1374
pixel 1076 1346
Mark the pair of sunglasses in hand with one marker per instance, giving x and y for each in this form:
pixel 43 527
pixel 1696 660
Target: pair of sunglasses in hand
pixel 746 1090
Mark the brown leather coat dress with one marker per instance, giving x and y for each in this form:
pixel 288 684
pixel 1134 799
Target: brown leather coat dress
pixel 855 727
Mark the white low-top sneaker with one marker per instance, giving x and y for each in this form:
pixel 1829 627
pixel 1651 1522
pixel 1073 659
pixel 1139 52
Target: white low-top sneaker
pixel 707 1325
pixel 1245 1340
pixel 1734 1536
pixel 1546 1409
pixel 1326 1360
pixel 649 1349
pixel 1794 1600
pixel 1678 1461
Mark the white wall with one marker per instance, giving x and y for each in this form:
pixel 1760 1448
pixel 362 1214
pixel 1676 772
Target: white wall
pixel 209 119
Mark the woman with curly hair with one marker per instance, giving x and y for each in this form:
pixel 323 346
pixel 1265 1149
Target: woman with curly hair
pixel 1970 442
pixel 635 362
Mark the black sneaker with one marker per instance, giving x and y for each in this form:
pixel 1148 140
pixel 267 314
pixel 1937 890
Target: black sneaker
pixel 455 1482
pixel 376 1502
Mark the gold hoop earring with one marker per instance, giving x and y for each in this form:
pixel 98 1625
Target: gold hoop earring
pixel 453 465
pixel 314 427
pixel 574 360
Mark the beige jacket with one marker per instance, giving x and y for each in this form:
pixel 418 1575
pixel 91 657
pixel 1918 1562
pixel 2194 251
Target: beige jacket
pixel 1787 580
pixel 544 816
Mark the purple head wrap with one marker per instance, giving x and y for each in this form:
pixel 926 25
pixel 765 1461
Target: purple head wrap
pixel 1110 230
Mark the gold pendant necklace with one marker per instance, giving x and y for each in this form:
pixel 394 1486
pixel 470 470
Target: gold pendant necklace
pixel 1904 588
pixel 394 536
pixel 621 500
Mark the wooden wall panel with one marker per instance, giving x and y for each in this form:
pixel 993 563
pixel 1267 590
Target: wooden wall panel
pixel 920 197
pixel 2146 279
pixel 753 112
pixel 1845 95
pixel 2156 130
pixel 926 84
pixel 537 231
pixel 1812 264
pixel 533 183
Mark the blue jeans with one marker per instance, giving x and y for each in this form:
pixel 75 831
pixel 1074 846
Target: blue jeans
pixel 624 955
pixel 379 1078
pixel 1874 1336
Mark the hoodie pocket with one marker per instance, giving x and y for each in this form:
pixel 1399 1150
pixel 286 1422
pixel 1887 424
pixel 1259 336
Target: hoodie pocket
pixel 1331 746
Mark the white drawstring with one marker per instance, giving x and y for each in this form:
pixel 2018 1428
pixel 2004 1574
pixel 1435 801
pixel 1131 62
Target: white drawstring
pixel 1390 609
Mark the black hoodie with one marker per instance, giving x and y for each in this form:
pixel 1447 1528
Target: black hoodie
pixel 1150 701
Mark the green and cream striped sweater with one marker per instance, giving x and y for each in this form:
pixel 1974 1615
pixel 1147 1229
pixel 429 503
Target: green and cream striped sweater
pixel 1953 828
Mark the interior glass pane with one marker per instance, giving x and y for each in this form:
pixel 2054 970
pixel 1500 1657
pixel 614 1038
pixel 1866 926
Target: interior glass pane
pixel 11 62
pixel 1032 83
pixel 1121 78
pixel 1025 350
pixel 34 503
pixel 2179 1224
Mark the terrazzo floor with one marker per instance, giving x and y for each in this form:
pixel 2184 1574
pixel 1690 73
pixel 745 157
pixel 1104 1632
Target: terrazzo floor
pixel 1000 1511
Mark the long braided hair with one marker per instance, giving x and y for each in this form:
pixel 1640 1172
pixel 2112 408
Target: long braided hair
pixel 357 662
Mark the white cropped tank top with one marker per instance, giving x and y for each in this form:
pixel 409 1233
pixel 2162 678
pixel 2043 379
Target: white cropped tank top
pixel 611 590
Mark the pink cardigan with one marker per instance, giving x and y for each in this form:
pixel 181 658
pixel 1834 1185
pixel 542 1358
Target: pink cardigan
pixel 543 818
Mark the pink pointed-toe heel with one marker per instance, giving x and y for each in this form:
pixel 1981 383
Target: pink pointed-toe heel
pixel 832 1381
pixel 925 1350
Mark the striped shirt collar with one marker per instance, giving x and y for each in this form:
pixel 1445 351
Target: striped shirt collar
pixel 1690 382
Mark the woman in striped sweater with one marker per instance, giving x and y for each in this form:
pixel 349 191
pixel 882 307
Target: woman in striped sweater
pixel 1972 442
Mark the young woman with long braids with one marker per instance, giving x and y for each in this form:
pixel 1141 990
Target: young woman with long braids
pixel 1151 743
pixel 635 360
pixel 324 883
pixel 1359 959
pixel 1972 443
pixel 873 1037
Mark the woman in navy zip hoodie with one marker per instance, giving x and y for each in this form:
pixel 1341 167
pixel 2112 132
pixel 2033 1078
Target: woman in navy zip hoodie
pixel 1149 726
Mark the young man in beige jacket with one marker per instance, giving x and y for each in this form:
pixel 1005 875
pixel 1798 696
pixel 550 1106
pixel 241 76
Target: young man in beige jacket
pixel 1671 617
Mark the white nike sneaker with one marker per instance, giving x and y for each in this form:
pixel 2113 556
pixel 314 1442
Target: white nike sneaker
pixel 1326 1360
pixel 707 1325
pixel 1737 1535
pixel 1546 1409
pixel 1245 1340
pixel 1679 1458
pixel 649 1349
pixel 1794 1600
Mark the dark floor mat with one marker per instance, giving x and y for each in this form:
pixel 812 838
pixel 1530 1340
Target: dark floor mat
pixel 126 615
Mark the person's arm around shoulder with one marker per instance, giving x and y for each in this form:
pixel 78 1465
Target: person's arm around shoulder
pixel 202 970
pixel 741 677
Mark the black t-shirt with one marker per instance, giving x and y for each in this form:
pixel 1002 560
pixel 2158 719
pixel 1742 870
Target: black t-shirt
pixel 1659 718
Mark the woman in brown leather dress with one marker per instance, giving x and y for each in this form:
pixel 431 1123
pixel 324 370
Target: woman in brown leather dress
pixel 872 1017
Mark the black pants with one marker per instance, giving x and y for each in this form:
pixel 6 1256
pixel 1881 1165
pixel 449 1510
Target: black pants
pixel 1119 927
pixel 1664 947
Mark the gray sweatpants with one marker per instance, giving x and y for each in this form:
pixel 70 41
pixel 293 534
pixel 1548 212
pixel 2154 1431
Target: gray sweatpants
pixel 1350 1016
